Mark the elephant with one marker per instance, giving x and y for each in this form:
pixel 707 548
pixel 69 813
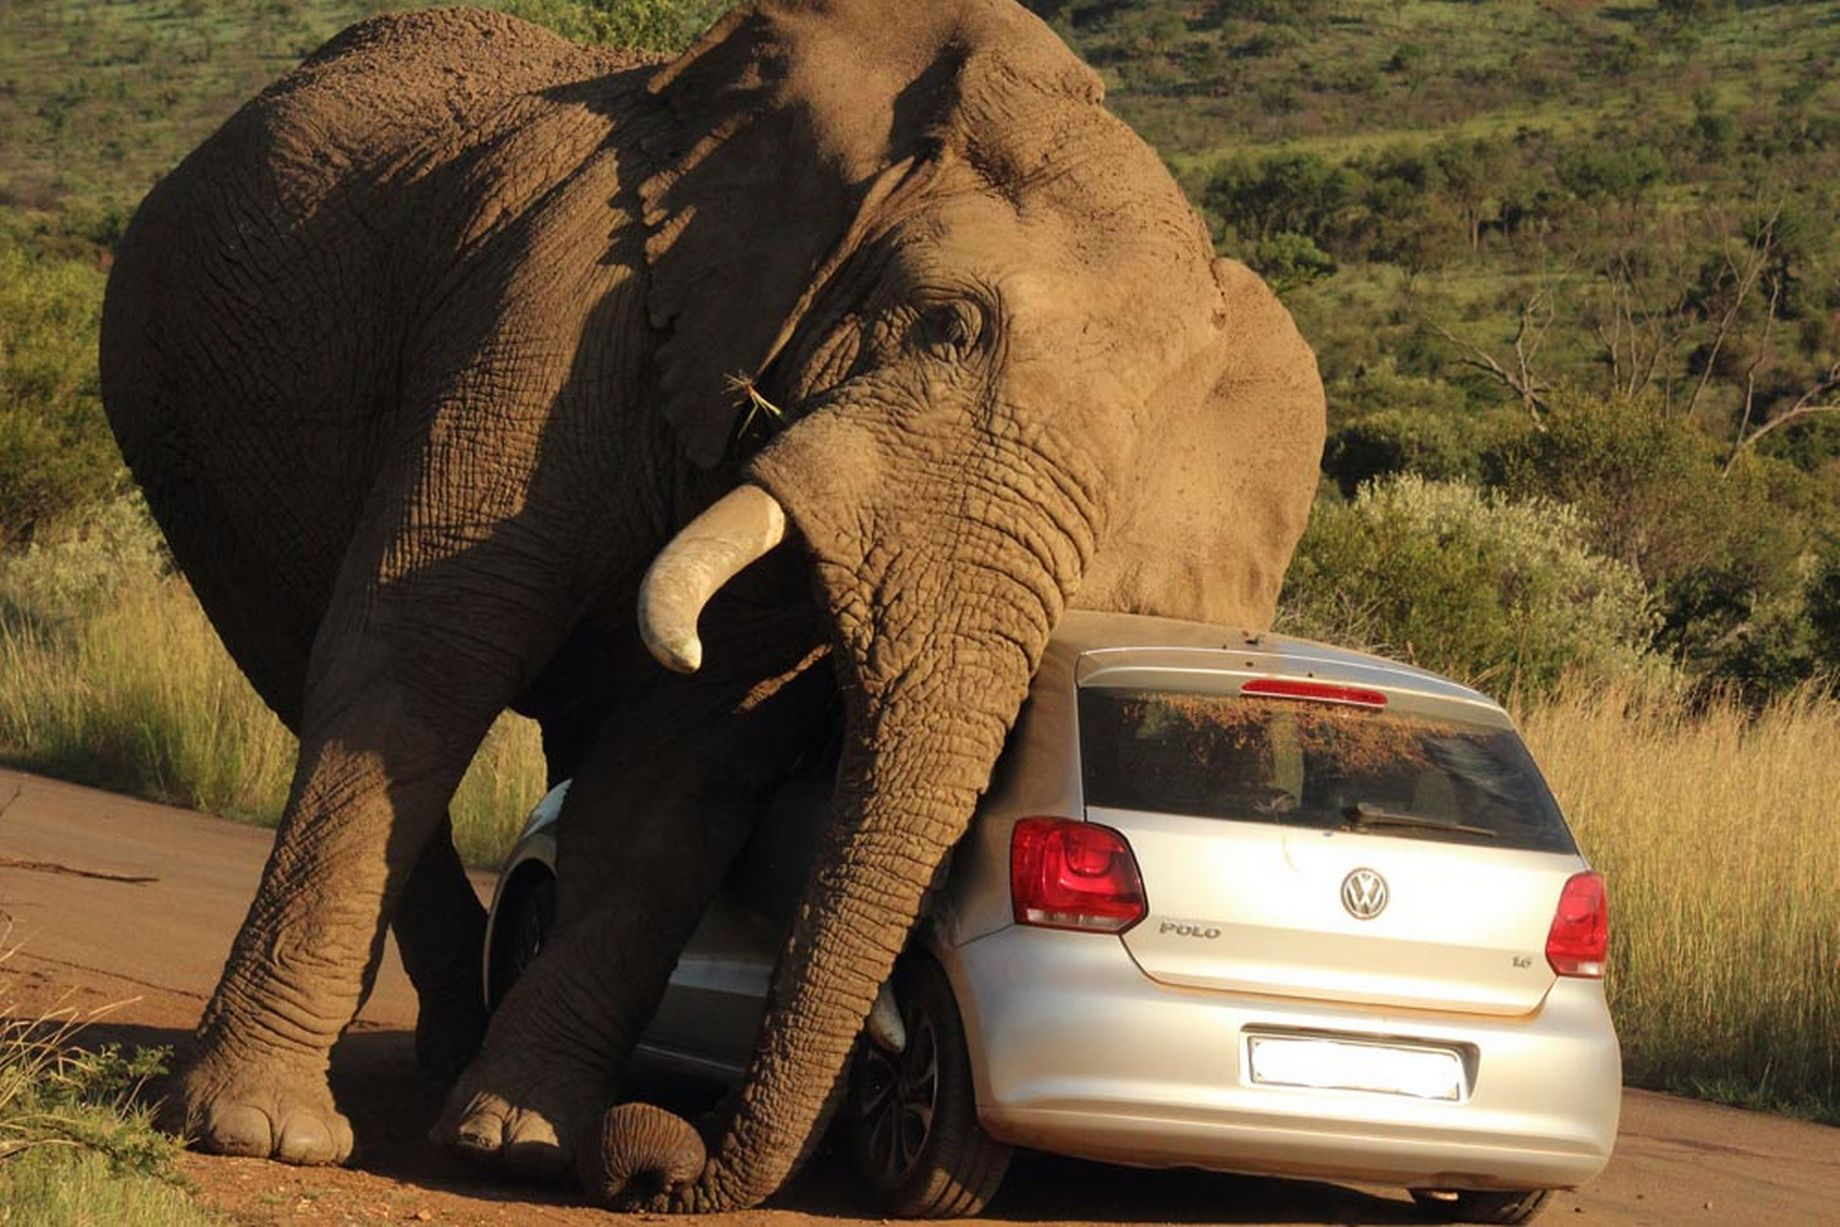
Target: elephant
pixel 669 402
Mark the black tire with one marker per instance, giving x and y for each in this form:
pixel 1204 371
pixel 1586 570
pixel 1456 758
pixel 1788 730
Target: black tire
pixel 1478 1206
pixel 912 1116
pixel 521 932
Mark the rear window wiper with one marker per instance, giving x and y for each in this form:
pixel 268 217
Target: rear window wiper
pixel 1367 814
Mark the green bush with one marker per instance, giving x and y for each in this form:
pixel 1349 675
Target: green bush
pixel 1732 558
pixel 1441 446
pixel 1379 385
pixel 1499 593
pixel 1301 193
pixel 74 1145
pixel 56 454
pixel 655 25
pixel 1288 260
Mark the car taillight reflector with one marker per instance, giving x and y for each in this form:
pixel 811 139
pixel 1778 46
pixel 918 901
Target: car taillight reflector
pixel 1319 692
pixel 1065 874
pixel 1580 936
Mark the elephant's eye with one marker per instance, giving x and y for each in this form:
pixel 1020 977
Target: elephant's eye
pixel 948 328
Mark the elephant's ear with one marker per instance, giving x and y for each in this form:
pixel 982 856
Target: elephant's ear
pixel 1269 406
pixel 790 119
pixel 1232 475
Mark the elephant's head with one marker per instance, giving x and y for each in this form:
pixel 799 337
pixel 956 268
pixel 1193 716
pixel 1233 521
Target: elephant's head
pixel 1009 374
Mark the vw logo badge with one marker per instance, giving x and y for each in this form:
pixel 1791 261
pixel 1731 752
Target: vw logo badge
pixel 1364 894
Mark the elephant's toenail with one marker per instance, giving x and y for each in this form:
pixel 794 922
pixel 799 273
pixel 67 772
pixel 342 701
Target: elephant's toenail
pixel 476 1137
pixel 305 1140
pixel 239 1131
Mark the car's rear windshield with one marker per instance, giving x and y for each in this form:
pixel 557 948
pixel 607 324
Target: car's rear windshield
pixel 1315 765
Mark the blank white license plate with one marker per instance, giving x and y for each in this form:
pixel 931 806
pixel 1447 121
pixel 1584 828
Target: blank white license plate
pixel 1425 1073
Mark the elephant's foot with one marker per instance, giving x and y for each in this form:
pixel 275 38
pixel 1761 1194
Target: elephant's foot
pixel 268 1109
pixel 523 1116
pixel 450 1025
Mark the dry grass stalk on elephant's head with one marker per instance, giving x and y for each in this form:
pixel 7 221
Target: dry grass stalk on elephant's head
pixel 746 389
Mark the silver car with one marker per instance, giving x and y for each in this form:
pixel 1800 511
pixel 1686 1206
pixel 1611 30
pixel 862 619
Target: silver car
pixel 1232 901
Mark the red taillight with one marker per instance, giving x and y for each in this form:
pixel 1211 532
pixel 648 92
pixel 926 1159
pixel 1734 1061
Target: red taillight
pixel 1320 692
pixel 1580 935
pixel 1073 875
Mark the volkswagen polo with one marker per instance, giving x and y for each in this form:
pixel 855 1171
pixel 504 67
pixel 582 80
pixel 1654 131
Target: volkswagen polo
pixel 1231 901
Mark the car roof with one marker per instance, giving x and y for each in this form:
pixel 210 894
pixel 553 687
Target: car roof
pixel 1101 642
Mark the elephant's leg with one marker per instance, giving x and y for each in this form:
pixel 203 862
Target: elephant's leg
pixel 440 928
pixel 654 821
pixel 432 632
pixel 383 746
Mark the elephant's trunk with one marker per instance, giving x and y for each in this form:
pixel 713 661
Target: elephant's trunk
pixel 917 757
pixel 709 551
pixel 940 608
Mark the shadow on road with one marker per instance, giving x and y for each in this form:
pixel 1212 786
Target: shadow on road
pixel 391 1105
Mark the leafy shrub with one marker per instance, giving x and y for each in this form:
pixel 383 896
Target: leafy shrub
pixel 1500 593
pixel 1289 260
pixel 1378 385
pixel 1441 446
pixel 1610 169
pixel 1301 193
pixel 1731 557
pixel 74 1146
pixel 83 561
pixel 655 25
pixel 56 453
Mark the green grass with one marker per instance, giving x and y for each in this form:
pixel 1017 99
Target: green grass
pixel 1216 82
pixel 98 99
pixel 75 1147
pixel 59 1187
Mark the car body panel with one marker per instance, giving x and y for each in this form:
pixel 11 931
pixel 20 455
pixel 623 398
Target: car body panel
pixel 1134 1049
pixel 1251 907
pixel 1074 1051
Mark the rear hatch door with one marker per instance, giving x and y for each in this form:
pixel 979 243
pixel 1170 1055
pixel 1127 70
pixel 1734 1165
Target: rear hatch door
pixel 1388 854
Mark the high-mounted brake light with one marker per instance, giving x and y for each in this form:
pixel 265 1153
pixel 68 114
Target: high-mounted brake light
pixel 1319 692
pixel 1065 874
pixel 1580 936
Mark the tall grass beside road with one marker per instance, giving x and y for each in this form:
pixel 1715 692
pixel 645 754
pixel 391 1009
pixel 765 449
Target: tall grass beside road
pixel 1717 832
pixel 111 675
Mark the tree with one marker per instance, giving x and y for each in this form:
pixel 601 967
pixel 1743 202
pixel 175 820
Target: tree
pixel 1520 376
pixel 1301 193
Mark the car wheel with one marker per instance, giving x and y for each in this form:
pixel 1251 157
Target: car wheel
pixel 1478 1206
pixel 913 1125
pixel 526 928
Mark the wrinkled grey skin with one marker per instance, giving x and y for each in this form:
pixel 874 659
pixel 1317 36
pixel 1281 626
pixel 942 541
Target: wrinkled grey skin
pixel 423 358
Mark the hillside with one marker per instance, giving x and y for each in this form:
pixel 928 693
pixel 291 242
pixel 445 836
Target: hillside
pixel 1487 216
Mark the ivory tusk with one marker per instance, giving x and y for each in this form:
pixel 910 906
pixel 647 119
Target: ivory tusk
pixel 706 553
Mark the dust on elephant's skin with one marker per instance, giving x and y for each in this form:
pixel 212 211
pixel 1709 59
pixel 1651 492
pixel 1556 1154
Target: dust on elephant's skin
pixel 431 351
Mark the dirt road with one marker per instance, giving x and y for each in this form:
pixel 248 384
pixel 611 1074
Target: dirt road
pixel 118 902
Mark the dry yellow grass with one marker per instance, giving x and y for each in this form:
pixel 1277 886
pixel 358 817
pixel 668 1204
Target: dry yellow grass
pixel 133 691
pixel 1717 832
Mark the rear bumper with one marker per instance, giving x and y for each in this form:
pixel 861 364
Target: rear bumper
pixel 1075 1051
